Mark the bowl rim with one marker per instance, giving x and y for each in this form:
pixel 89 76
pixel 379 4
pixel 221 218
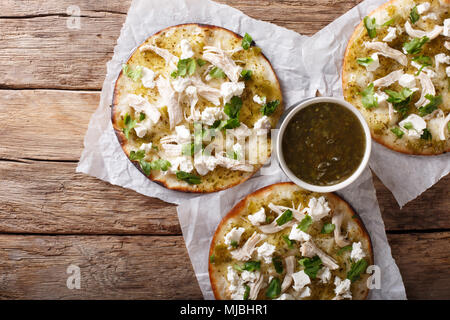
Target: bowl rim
pixel 315 188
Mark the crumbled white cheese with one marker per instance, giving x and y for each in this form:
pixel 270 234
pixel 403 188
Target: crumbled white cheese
pixel 431 16
pixel 183 134
pixel 147 147
pixel 324 274
pixel 265 251
pixel 423 7
pixel 232 275
pixel 248 276
pixel 140 130
pixel 391 35
pixel 301 279
pixel 381 98
pixel 417 123
pixel 233 236
pixel 304 293
pixel 262 125
pixel 318 208
pixel 357 251
pixel 148 78
pixel 407 80
pixel 447 45
pixel 183 163
pixel 230 89
pixel 285 296
pixel 441 58
pixel 211 114
pixel 342 289
pixel 186 50
pixel 446 31
pixel 259 100
pixel 258 217
pixel 298 235
pixel 204 164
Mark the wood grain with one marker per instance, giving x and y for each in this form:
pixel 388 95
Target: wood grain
pixel 119 267
pixel 143 267
pixel 37 45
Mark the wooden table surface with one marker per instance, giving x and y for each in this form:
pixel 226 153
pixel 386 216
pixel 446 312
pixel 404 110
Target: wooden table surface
pixel 127 245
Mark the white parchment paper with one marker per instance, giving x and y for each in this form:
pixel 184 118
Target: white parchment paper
pixel 103 157
pixel 406 176
pixel 200 214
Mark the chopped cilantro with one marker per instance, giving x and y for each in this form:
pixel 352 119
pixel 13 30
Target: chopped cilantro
pixel 364 61
pixel 369 100
pixel 414 15
pixel 217 73
pixel 285 217
pixel 371 26
pixel 278 264
pixel 431 106
pixel 246 74
pixel 305 223
pixel 356 269
pixel 134 74
pixel 274 288
pixel 415 45
pixel 398 132
pixel 246 41
pixel 312 266
pixel 327 228
pixel 187 177
pixel 268 108
pixel 129 124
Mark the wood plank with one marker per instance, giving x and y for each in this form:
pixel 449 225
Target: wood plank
pixel 423 260
pixel 49 197
pixel 140 267
pixel 120 267
pixel 37 45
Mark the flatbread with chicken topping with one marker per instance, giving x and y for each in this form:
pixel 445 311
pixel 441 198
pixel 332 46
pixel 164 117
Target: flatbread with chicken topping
pixel 397 73
pixel 193 108
pixel 283 242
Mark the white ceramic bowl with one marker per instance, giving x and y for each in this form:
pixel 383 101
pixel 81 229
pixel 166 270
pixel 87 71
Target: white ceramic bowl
pixel 343 183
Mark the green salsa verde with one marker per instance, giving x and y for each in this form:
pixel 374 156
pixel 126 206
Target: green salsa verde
pixel 323 144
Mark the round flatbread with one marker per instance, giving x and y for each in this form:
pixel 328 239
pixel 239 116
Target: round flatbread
pixel 396 72
pixel 279 243
pixel 193 108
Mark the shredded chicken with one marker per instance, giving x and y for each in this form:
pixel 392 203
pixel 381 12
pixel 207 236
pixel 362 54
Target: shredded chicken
pixel 443 127
pixel 255 287
pixel 420 33
pixel 233 164
pixel 170 98
pixel 221 59
pixel 427 88
pixel 389 79
pixel 245 252
pixel 387 51
pixel 309 249
pixel 290 267
pixel 274 227
pixel 296 213
pixel 209 93
pixel 163 53
pixel 338 237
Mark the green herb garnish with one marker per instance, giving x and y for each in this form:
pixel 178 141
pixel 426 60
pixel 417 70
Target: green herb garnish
pixel 212 258
pixel 187 177
pixel 400 100
pixel 233 107
pixel 185 67
pixel 364 61
pixel 201 62
pixel 408 126
pixel 343 249
pixel 217 73
pixel 129 124
pixel 289 242
pixel 305 223
pixel 431 106
pixel 356 270
pixel 415 45
pixel 398 132
pixel 268 108
pixel 246 41
pixel 371 26
pixel 278 264
pixel 327 228
pixel 426 134
pixel 414 15
pixel 274 288
pixel 187 149
pixel 388 23
pixel 312 266
pixel 369 100
pixel 234 243
pixel 246 292
pixel 135 74
pixel 246 74
pixel 285 217
pixel 248 266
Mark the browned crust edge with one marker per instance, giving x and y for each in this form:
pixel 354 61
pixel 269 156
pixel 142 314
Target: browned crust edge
pixel 404 150
pixel 237 209
pixel 122 139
